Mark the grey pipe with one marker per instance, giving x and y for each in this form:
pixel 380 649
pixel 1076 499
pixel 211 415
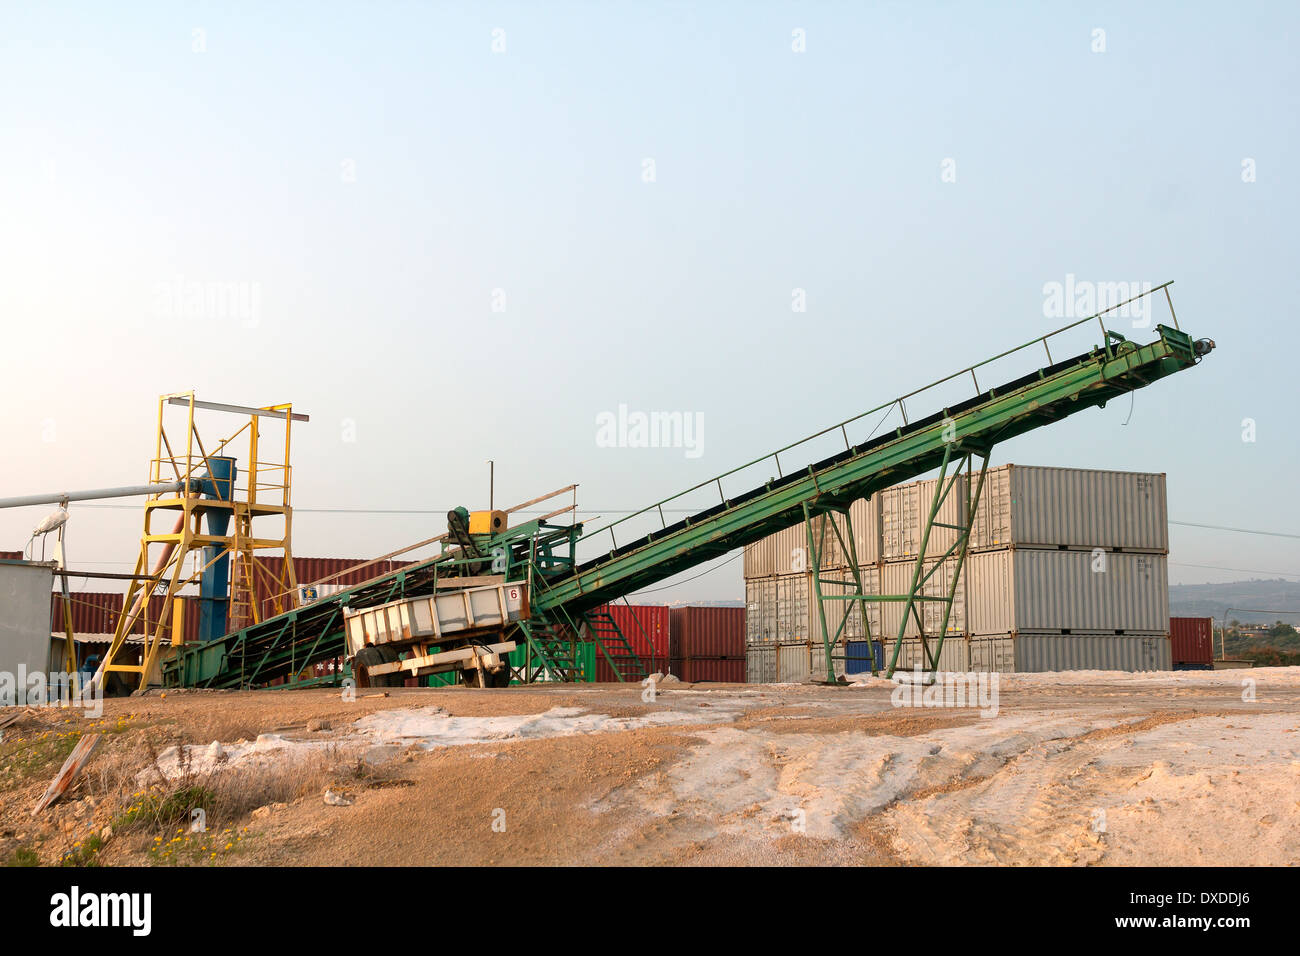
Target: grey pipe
pixel 127 492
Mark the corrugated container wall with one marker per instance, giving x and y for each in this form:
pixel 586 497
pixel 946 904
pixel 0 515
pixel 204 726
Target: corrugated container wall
pixel 1027 653
pixel 1191 640
pixel 1028 590
pixel 836 610
pixel 97 612
pixel 1030 506
pixel 781 610
pixel 707 633
pixel 953 656
pixel 1113 652
pixel 730 671
pixel 793 607
pixel 338 571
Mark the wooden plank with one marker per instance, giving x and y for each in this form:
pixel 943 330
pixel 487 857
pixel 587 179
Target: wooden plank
pixel 445 657
pixel 15 714
pixel 69 772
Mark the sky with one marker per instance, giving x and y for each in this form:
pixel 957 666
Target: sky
pixel 461 232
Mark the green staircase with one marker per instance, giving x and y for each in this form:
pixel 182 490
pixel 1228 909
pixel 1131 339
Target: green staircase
pixel 613 644
pixel 551 650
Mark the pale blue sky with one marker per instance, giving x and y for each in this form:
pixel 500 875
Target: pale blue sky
pixel 129 161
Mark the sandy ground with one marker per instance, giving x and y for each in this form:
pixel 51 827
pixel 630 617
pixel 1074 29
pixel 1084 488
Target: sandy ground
pixel 1077 769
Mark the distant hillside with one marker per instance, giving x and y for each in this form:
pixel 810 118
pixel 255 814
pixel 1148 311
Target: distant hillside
pixel 1212 600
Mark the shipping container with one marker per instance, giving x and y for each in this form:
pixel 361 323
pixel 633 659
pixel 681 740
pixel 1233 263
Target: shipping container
pixel 896 578
pixel 760 664
pixel 953 655
pixel 1030 653
pixel 760 610
pixel 904 510
pixel 1191 640
pixel 842 581
pixel 782 609
pixel 1103 652
pixel 1037 507
pixel 1067 591
pixel 858 656
pixel 837 549
pixel 784 552
pixel 787 552
pixel 97 612
pixel 992 653
pixel 707 633
pixel 793 608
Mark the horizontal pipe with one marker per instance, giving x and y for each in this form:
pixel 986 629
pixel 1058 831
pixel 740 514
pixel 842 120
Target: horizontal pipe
pixel 239 409
pixel 60 497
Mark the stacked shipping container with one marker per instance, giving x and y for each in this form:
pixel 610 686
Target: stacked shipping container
pixel 708 643
pixel 1067 570
pixel 692 643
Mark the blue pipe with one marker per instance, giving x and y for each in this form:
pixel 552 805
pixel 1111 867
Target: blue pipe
pixel 214 583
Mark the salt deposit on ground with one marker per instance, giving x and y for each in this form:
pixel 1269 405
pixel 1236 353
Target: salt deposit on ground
pixel 376 735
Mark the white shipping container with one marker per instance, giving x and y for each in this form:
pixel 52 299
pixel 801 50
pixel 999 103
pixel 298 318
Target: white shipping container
pixel 1029 653
pixel 953 655
pixel 865 516
pixel 1035 590
pixel 760 664
pixel 896 578
pixel 1109 652
pixel 904 510
pixel 792 606
pixel 760 610
pixel 1030 506
pixel 837 609
pixel 787 551
pixel 784 552
pixel 776 609
pixel 818 670
pixel 994 653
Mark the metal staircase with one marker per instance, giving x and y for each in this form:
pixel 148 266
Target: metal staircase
pixel 613 644
pixel 550 653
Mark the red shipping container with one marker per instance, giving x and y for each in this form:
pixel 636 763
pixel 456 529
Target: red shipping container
pixel 646 627
pixel 708 633
pixel 1191 640
pixel 728 671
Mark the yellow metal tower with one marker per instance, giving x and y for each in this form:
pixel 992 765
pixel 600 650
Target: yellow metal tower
pixel 234 500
